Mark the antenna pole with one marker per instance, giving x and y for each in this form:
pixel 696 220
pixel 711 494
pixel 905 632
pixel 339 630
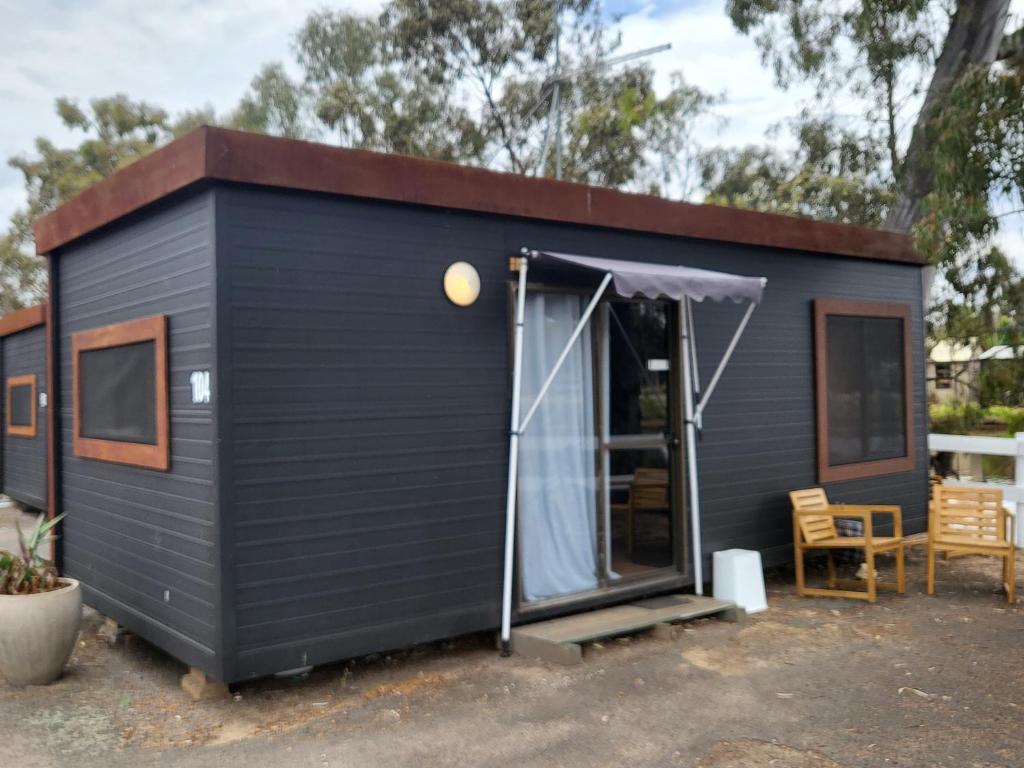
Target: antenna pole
pixel 557 92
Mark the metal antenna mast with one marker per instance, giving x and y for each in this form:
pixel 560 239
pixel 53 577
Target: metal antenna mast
pixel 555 84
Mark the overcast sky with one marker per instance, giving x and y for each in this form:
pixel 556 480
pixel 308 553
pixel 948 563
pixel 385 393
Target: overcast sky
pixel 183 54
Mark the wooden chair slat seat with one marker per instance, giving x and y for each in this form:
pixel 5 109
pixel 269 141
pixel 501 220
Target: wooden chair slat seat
pixel 814 527
pixel 971 521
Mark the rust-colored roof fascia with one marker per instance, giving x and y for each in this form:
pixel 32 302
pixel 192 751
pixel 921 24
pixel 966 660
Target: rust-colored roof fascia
pixel 23 319
pixel 247 158
pixel 148 179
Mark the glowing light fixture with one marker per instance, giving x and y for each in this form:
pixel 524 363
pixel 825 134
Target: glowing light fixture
pixel 461 283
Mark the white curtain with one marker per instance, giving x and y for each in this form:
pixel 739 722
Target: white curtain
pixel 557 475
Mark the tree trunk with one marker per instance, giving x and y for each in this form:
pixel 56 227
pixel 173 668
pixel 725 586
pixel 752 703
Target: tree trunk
pixel 973 39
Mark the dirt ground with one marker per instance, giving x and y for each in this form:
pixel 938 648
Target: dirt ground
pixel 810 683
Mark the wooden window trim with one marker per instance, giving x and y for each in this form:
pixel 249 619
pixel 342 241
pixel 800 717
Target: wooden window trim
pixel 23 430
pixel 849 307
pixel 136 454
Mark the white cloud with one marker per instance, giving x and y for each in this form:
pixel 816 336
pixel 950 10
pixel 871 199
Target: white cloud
pixel 711 54
pixel 178 54
pixel 1011 238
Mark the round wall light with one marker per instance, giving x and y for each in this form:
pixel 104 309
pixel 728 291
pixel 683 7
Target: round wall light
pixel 461 283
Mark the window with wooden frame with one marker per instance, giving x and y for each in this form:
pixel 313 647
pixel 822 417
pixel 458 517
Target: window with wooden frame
pixel 864 389
pixel 119 379
pixel 21 406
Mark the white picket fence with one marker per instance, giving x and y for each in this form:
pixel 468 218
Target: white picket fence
pixel 1013 493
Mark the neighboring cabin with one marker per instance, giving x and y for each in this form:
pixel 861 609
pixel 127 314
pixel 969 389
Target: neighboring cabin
pixel 23 460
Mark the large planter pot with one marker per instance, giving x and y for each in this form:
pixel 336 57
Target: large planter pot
pixel 38 633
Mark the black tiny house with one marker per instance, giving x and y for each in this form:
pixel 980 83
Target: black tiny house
pixel 279 443
pixel 23 454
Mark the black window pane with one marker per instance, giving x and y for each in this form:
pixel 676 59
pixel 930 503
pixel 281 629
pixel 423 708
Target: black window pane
pixel 117 393
pixel 866 392
pixel 21 405
pixel 639 352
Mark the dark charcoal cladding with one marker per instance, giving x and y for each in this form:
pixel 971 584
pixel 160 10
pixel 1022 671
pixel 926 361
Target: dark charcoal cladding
pixel 24 458
pixel 344 491
pixel 142 540
pixel 116 392
pixel 21 404
pixel 370 416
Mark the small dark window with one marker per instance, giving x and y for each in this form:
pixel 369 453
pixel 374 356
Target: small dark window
pixel 120 393
pixel 21 406
pixel 116 387
pixel 864 393
pixel 943 375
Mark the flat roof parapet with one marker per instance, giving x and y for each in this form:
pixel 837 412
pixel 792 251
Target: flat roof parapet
pixel 218 154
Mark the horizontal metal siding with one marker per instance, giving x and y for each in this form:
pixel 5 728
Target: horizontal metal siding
pixel 140 540
pixel 370 416
pixel 24 458
pixel 369 424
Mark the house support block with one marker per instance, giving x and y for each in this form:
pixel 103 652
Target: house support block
pixel 111 631
pixel 201 688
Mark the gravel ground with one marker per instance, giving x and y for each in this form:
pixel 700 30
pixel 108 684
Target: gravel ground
pixel 811 683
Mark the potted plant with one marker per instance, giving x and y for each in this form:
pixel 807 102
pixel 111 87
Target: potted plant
pixel 39 612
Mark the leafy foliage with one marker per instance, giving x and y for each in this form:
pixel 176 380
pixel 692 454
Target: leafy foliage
pixel 273 104
pixel 470 81
pixel 28 572
pixel 920 64
pixel 835 175
pixel 116 131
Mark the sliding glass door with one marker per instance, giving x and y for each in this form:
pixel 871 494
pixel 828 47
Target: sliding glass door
pixel 639 447
pixel 599 480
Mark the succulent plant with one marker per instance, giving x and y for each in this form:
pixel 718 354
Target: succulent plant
pixel 27 572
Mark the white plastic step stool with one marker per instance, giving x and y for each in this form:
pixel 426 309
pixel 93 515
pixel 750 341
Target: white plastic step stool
pixel 738 577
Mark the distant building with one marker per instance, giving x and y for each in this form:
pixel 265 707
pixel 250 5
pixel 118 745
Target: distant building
pixel 954 370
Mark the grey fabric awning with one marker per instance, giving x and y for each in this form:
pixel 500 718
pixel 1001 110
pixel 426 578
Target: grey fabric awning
pixel 638 278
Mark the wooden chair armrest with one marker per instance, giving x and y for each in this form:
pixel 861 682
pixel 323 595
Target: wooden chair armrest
pixel 889 508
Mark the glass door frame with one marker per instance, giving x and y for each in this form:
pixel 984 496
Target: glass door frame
pixel 681 570
pixel 672 441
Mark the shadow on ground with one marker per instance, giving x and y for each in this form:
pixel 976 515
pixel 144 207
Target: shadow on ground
pixel 811 683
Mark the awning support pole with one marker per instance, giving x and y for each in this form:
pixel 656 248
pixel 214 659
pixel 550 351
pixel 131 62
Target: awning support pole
pixel 584 319
pixel 513 460
pixel 691 445
pixel 693 348
pixel 725 361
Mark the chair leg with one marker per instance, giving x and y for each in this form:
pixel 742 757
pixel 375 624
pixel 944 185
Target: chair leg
pixel 869 560
pixel 1011 577
pixel 831 571
pixel 901 571
pixel 799 565
pixel 931 569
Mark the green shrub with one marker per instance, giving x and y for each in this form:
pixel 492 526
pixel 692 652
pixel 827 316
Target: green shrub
pixel 954 418
pixel 1007 416
pixel 27 572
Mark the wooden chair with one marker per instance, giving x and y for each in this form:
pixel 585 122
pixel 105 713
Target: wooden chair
pixel 814 527
pixel 971 521
pixel 648 492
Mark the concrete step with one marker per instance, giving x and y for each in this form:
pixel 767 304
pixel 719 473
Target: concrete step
pixel 560 640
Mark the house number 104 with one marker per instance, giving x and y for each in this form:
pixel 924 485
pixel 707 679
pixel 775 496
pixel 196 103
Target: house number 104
pixel 200 381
